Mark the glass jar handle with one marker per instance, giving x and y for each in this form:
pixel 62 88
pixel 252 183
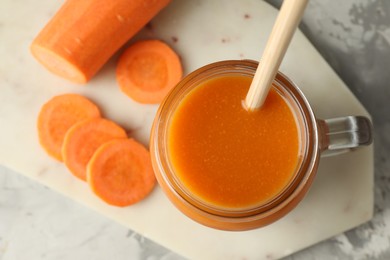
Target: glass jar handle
pixel 343 134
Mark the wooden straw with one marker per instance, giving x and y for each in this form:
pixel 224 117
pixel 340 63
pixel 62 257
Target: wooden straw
pixel 287 21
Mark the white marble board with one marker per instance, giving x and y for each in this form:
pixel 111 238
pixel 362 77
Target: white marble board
pixel 201 32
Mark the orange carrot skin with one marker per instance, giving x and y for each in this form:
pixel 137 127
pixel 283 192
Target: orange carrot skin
pixel 84 34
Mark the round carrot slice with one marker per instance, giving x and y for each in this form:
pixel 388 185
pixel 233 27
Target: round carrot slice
pixel 83 139
pixel 148 70
pixel 120 172
pixel 58 115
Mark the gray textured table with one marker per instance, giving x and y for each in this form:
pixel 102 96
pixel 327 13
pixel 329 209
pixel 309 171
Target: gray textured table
pixel 352 35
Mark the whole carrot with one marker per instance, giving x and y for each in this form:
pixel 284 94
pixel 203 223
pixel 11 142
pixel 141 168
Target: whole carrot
pixel 84 34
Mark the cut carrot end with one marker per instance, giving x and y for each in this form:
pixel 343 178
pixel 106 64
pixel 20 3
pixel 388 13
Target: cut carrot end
pixel 58 115
pixel 83 139
pixel 120 172
pixel 58 64
pixel 148 70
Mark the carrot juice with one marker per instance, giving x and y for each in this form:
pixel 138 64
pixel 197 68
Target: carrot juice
pixel 228 157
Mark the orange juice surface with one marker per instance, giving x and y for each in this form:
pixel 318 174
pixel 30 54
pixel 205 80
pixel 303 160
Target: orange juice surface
pixel 229 157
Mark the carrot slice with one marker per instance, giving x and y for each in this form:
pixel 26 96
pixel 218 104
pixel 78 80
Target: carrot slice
pixel 120 172
pixel 83 35
pixel 82 140
pixel 58 115
pixel 148 70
